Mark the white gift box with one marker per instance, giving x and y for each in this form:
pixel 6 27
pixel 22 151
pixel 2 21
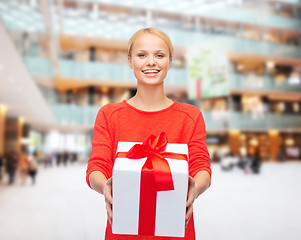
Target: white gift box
pixel 170 206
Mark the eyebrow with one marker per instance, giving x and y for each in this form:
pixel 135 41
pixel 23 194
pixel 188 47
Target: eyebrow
pixel 161 50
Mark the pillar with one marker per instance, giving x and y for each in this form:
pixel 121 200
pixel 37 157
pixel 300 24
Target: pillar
pixel 274 140
pixel 20 134
pixel 2 128
pixel 234 141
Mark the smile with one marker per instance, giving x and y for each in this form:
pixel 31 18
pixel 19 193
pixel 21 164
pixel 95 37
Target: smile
pixel 151 72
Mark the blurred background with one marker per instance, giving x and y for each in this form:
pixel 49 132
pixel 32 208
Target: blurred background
pixel 239 61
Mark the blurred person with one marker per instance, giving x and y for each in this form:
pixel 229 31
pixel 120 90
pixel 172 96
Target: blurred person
pixel 149 112
pixel 75 157
pixel 11 166
pixel 65 157
pixel 40 156
pixel 1 166
pixel 33 167
pixel 280 156
pixel 216 157
pixel 49 159
pixel 59 158
pixel 23 166
pixel 255 163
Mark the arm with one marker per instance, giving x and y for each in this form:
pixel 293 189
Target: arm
pixel 97 181
pixel 100 163
pixel 101 155
pixel 202 182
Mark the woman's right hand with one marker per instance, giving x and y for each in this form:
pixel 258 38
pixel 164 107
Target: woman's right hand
pixel 107 192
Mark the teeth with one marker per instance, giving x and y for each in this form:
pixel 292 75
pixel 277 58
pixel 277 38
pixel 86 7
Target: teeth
pixel 151 71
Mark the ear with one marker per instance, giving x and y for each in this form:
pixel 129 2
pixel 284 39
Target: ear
pixel 170 60
pixel 130 62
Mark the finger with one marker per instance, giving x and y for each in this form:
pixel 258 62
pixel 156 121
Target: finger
pixel 188 215
pixel 186 222
pixel 109 214
pixel 108 197
pixel 189 211
pixel 190 199
pixel 109 210
pixel 109 219
pixel 108 191
pixel 190 194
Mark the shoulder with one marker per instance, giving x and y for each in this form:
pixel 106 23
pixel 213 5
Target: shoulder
pixel 109 109
pixel 190 110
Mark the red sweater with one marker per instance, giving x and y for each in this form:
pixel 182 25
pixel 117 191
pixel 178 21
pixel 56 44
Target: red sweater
pixel 182 123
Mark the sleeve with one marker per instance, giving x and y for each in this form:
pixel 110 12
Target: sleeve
pixel 101 153
pixel 198 153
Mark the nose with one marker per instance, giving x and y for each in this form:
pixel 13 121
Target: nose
pixel 151 61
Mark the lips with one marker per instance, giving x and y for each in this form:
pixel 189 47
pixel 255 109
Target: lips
pixel 151 72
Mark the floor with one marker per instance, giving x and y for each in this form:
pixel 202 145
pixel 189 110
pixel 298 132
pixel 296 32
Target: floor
pixel 237 206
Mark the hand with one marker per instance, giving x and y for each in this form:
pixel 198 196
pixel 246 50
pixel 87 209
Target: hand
pixel 191 196
pixel 107 192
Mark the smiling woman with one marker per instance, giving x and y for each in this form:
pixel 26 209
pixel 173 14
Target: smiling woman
pixel 152 118
pixel 150 55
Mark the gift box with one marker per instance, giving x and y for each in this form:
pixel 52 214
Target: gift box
pixel 150 184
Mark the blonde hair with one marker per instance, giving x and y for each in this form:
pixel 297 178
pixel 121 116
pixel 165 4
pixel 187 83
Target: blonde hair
pixel 155 31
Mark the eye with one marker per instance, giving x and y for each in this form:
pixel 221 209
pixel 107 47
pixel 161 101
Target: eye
pixel 141 55
pixel 160 55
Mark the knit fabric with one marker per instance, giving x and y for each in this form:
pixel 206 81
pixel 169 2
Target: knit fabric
pixel 182 123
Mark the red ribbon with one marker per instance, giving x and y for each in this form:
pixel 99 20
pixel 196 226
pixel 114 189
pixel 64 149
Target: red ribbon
pixel 155 176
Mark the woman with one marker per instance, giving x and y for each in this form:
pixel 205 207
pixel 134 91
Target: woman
pixel 33 167
pixel 149 112
pixel 23 167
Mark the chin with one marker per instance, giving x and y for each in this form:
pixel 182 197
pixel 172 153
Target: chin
pixel 150 81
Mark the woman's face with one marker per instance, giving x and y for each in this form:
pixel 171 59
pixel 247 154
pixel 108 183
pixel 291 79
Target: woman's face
pixel 149 59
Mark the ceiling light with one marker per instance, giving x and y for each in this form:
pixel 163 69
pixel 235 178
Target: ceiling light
pixel 294 79
pixel 21 119
pixel 273 132
pixel 240 67
pixel 3 108
pixel 270 65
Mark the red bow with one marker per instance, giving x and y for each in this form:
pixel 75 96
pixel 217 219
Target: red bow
pixel 155 176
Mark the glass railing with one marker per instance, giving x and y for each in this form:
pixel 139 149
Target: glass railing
pixel 39 66
pixel 96 71
pixel 296 2
pixel 248 121
pixel 121 73
pixel 121 31
pixel 111 72
pixel 266 121
pixel 266 82
pixel 77 115
pixel 235 44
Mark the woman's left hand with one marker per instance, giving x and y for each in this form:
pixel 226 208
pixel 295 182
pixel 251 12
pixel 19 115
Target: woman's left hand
pixel 191 196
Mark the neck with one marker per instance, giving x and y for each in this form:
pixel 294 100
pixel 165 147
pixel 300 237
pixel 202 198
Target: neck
pixel 150 98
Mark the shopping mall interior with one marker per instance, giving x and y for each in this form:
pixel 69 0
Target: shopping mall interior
pixel 62 60
pixel 238 61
